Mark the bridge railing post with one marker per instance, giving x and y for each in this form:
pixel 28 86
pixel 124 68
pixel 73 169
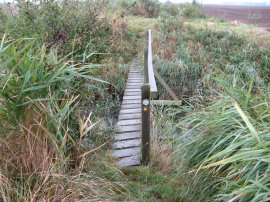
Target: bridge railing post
pixel 145 103
pixel 145 96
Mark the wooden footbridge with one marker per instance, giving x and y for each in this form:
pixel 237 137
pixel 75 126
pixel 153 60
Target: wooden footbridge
pixel 132 139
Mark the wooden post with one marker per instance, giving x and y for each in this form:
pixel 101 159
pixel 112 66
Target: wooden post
pixel 145 92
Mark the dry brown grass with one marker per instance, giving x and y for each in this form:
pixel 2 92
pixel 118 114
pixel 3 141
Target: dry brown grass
pixel 57 186
pixel 161 154
pixel 161 149
pixel 30 148
pixel 142 9
pixel 34 167
pixel 167 52
pixel 118 24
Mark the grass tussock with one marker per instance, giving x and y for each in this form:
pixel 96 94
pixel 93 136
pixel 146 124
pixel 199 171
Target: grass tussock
pixel 42 129
pixel 219 137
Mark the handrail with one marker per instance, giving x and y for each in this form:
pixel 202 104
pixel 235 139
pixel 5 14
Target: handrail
pixel 148 92
pixel 149 71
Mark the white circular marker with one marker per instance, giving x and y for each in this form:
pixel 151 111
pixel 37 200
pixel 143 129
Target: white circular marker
pixel 145 102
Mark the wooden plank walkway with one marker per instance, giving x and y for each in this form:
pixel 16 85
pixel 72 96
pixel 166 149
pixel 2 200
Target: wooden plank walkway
pixel 127 145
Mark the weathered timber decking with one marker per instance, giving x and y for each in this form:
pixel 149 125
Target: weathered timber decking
pixel 127 145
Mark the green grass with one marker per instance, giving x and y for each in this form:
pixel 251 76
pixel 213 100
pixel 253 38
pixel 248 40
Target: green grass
pixel 147 184
pixel 219 25
pixel 140 24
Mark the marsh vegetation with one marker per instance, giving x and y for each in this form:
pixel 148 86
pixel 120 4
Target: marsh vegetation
pixel 63 68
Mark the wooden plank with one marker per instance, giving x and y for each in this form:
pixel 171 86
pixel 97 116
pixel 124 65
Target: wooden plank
pixel 127 152
pixel 138 84
pixel 136 74
pixel 130 128
pixel 129 116
pixel 136 93
pixel 128 136
pixel 133 87
pixel 129 122
pixel 166 102
pixel 132 90
pixel 135 81
pixel 131 97
pixel 129 161
pixel 131 101
pixel 137 77
pixel 130 106
pixel 130 111
pixel 135 71
pixel 123 144
pixel 134 78
pixel 134 84
pixel 132 93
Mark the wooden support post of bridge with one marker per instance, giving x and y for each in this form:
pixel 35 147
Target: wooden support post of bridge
pixel 148 92
pixel 145 147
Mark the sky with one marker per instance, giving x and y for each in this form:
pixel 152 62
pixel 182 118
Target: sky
pixel 221 1
pixel 202 1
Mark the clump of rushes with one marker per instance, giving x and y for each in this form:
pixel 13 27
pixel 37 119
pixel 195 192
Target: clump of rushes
pixel 42 156
pixel 220 150
pixel 229 141
pixel 220 136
